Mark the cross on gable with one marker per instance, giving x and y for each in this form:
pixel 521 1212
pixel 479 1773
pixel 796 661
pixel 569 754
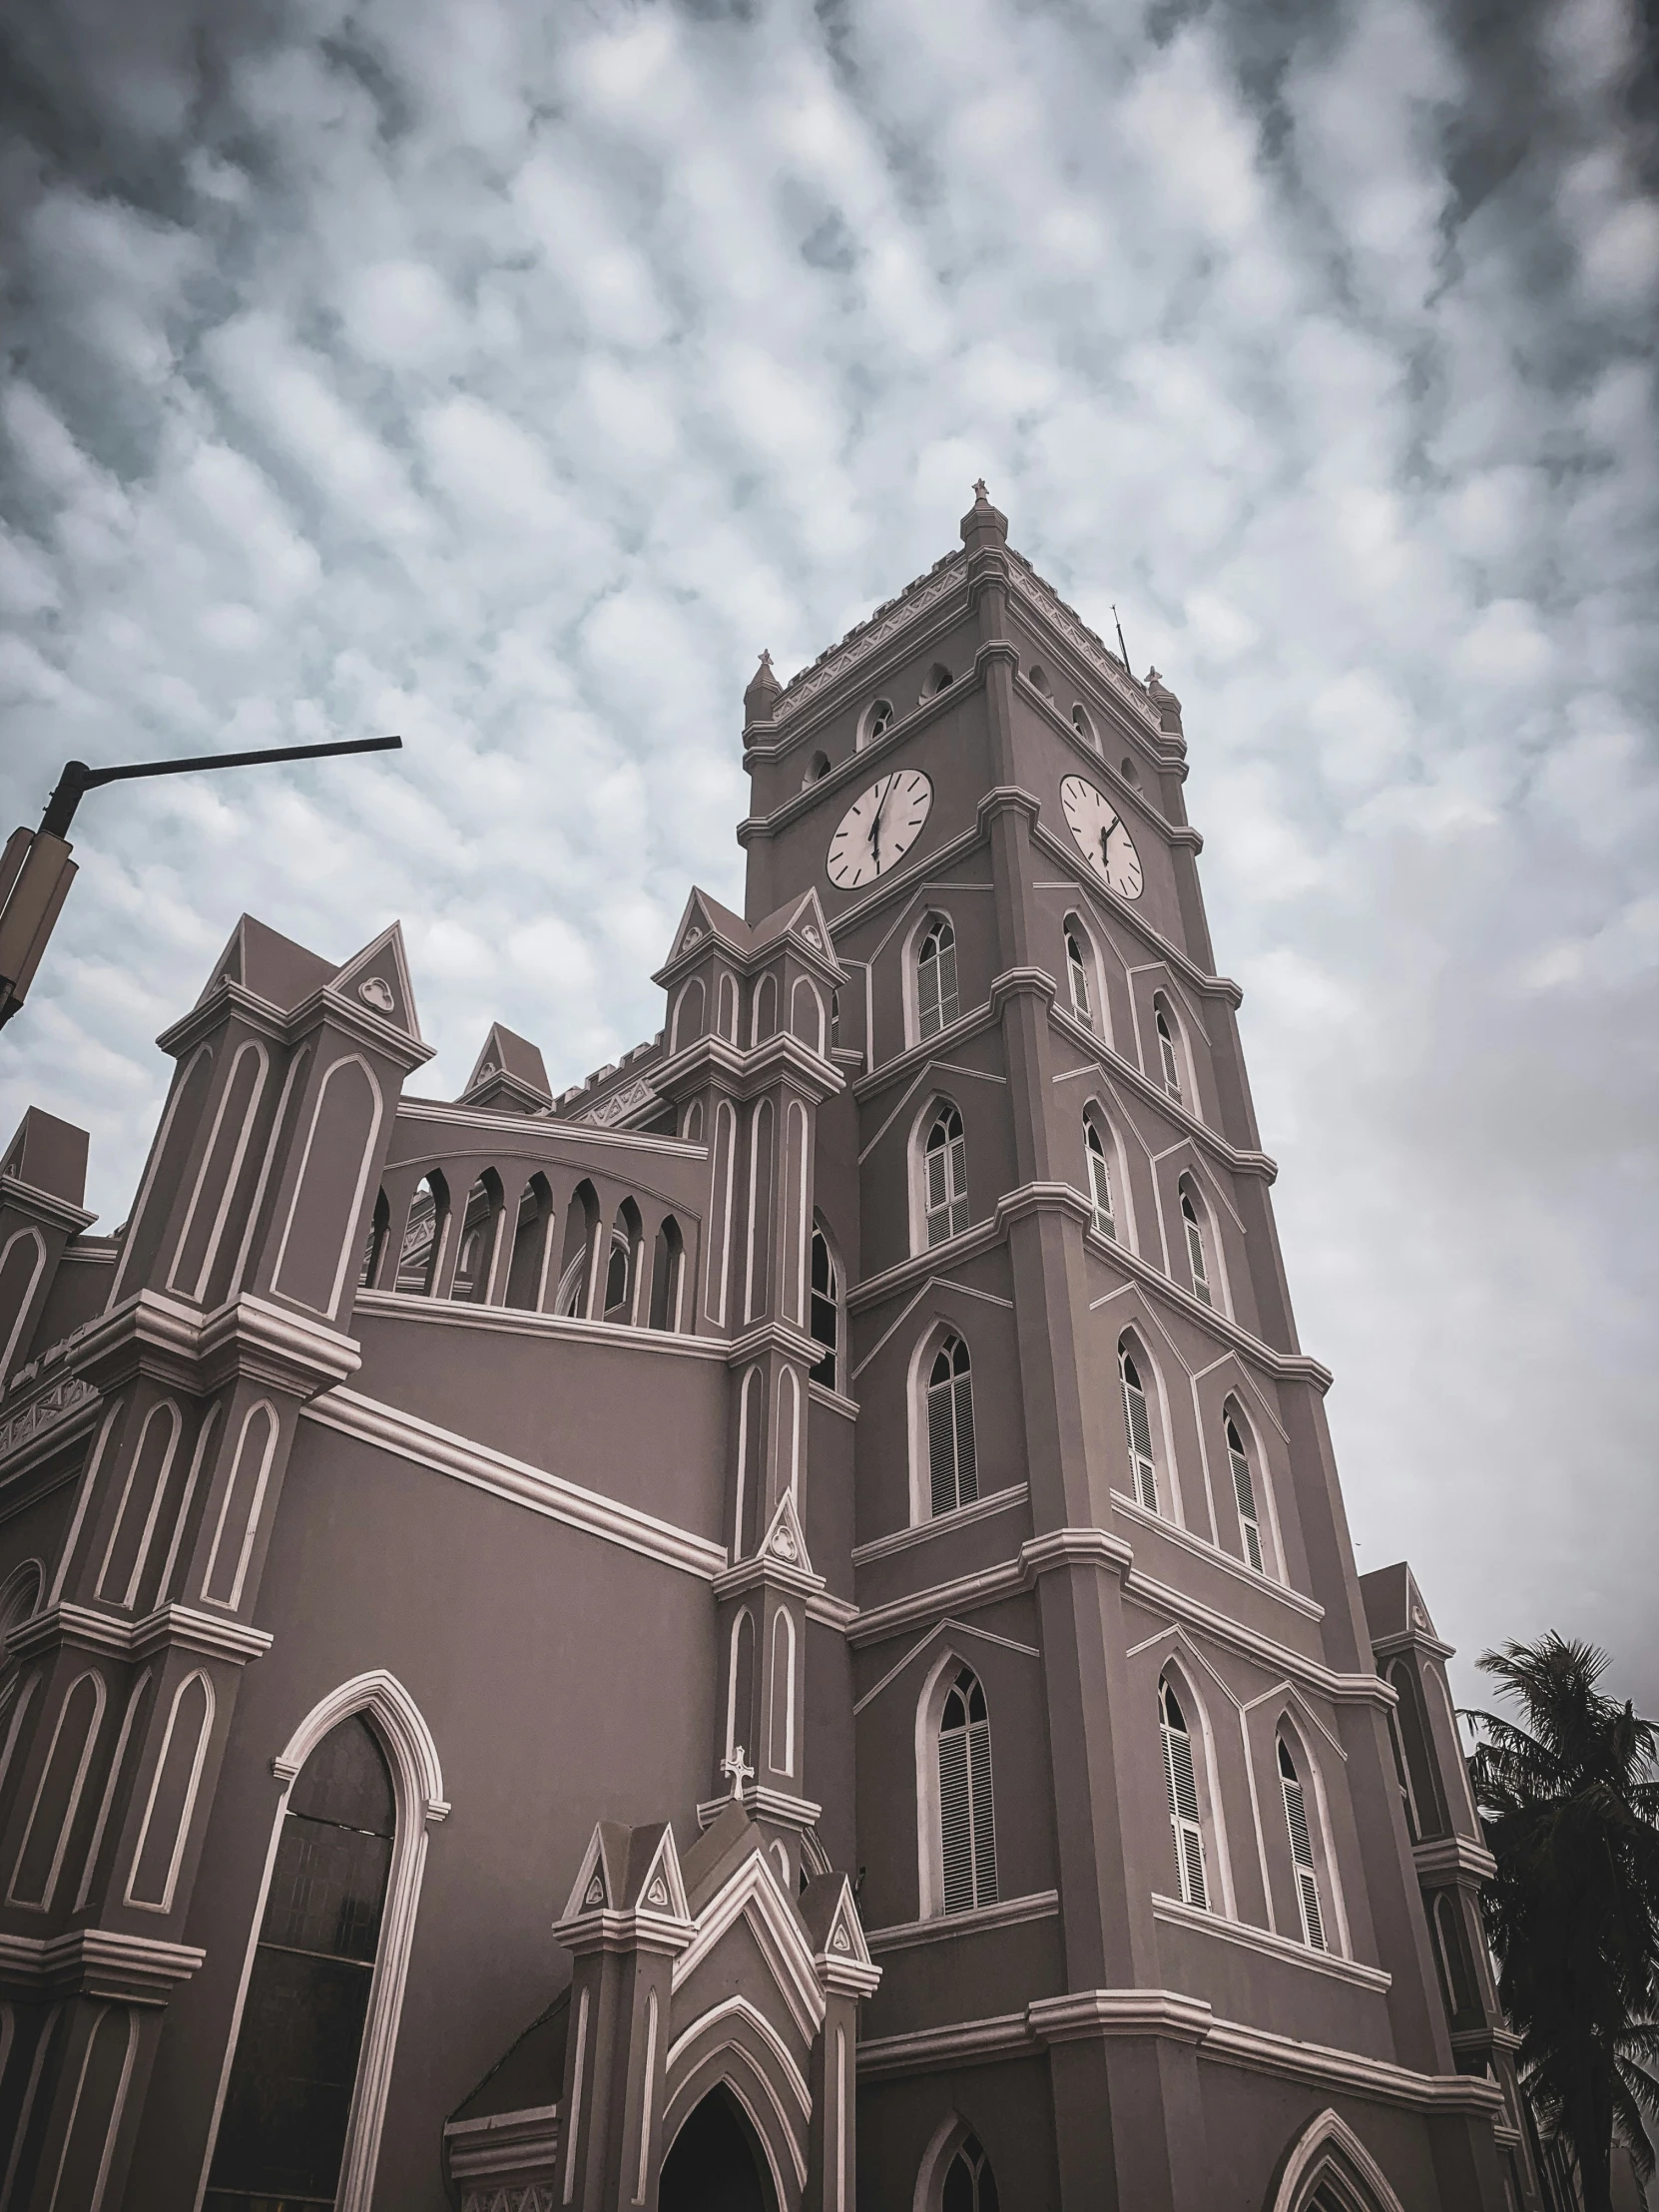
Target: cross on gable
pixel 738 1770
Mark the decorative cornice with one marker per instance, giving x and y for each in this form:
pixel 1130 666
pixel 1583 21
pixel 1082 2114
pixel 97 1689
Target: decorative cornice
pixel 170 1628
pixel 546 1126
pixel 634 1929
pixel 153 1333
pixel 1117 1069
pixel 1128 913
pixel 45 1206
pixel 764 1570
pixel 743 1072
pixel 48 1420
pixel 407 1436
pixel 501 2149
pixel 96 1962
pixel 1037 595
pixel 1412 1639
pixel 763 1804
pixel 1449 1855
pixel 516 1321
pixel 862 642
pixel 781 1336
pixel 903 1539
pixel 1200 1548
pixel 323 1004
pixel 1041 1905
pixel 1250 1937
pixel 1171 2013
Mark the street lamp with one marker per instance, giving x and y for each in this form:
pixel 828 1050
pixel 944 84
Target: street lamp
pixel 36 870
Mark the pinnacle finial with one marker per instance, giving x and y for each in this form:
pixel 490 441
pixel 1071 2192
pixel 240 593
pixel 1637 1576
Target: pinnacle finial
pixel 981 497
pixel 764 691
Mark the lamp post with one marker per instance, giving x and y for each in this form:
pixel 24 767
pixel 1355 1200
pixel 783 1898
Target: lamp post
pixel 36 870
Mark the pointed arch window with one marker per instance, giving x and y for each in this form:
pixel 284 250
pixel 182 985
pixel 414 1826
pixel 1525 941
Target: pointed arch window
pixel 1077 971
pixel 1100 1179
pixel 1168 1064
pixel 1083 725
pixel 826 1315
pixel 877 722
pixel 967 1829
pixel 1399 1677
pixel 288 2098
pixel 1244 1496
pixel 970 2184
pixel 621 1267
pixel 937 1004
pixel 1302 1850
pixel 953 1464
pixel 944 1168
pixel 1181 1782
pixel 1137 1421
pixel 1196 1257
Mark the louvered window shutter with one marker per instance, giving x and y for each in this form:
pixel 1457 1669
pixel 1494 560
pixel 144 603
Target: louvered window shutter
pixel 947 983
pixel 1183 1814
pixel 1079 981
pixel 938 1205
pixel 967 1465
pixel 942 1448
pixel 1195 1251
pixel 927 992
pixel 1140 1443
pixel 1301 1854
pixel 1100 1182
pixel 1244 1490
pixel 958 1186
pixel 956 1820
pixel 984 1827
pixel 1166 1048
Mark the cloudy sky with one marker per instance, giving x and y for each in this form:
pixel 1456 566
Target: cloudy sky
pixel 507 375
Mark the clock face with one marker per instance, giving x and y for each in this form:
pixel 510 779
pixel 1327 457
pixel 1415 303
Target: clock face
pixel 1101 836
pixel 878 828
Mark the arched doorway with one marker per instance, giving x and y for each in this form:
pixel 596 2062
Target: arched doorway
pixel 715 2163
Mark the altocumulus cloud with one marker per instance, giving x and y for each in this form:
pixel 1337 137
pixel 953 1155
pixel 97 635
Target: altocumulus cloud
pixel 507 375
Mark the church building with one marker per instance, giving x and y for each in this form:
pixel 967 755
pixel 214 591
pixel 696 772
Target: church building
pixel 775 1631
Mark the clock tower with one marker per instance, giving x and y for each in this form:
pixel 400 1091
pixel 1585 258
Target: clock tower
pixel 1178 1888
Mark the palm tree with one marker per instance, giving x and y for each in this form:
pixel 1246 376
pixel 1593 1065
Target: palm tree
pixel 1570 1809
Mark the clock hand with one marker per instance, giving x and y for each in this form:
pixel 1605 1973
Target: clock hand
pixel 876 825
pixel 1105 834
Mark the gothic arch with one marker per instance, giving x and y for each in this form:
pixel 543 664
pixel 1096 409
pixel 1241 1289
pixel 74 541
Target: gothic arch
pixel 1176 1669
pixel 1328 2155
pixel 947 2139
pixel 938 1685
pixel 20 1241
pixel 689 1015
pixel 697 2065
pixel 947 976
pixel 401 1729
pixel 1290 1730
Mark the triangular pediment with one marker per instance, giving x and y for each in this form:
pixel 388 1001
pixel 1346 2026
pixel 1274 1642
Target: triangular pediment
pixel 753 1898
pixel 785 1539
pixel 706 917
pixel 601 1878
pixel 510 1068
pixel 659 1886
pixel 833 1924
pixel 379 978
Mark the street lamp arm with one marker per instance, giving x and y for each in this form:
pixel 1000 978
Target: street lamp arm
pixel 77 778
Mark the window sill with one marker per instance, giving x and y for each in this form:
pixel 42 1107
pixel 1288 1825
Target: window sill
pixel 1244 1932
pixel 1041 1905
pixel 996 1501
pixel 1202 1548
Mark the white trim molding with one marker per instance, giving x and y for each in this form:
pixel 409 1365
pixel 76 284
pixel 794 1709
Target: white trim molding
pixel 1329 2142
pixel 1041 1905
pixel 1245 1932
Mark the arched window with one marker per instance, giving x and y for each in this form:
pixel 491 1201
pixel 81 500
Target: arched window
pixel 1182 1786
pixel 936 1001
pixel 580 1246
pixel 967 1829
pixel 877 719
pixel 1130 772
pixel 825 1313
pixel 425 1238
pixel 1040 682
pixel 668 1274
pixel 970 2184
pixel 19 1596
pixel 1197 1259
pixel 1077 973
pixel 1302 1850
pixel 939 680
pixel 480 1229
pixel 621 1267
pixel 1137 1423
pixel 952 1466
pixel 1454 1961
pixel 1244 1496
pixel 816 768
pixel 1399 1679
pixel 1100 1177
pixel 944 1172
pixel 289 2094
pixel 1169 1065
pixel 375 1245
pixel 1083 725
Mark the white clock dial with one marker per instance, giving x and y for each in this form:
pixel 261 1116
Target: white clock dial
pixel 1101 836
pixel 878 828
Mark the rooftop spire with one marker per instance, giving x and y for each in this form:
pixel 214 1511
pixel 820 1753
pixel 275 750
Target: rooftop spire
pixel 983 522
pixel 762 694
